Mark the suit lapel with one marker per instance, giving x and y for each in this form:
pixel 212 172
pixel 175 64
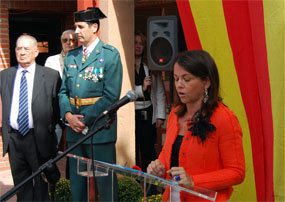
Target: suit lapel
pixel 78 58
pixel 38 82
pixel 10 81
pixel 10 87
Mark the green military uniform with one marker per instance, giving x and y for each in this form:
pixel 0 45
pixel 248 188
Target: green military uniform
pixel 88 89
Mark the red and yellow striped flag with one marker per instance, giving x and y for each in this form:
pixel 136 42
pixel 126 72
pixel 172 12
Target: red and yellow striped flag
pixel 246 39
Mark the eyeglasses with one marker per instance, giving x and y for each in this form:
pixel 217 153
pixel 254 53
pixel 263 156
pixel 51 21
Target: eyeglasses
pixel 66 40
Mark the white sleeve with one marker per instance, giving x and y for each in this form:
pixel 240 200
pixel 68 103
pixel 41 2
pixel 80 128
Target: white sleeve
pixel 139 91
pixel 48 62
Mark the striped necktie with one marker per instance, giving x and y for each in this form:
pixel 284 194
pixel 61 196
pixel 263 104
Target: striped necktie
pixel 23 117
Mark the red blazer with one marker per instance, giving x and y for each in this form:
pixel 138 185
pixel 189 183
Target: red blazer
pixel 217 164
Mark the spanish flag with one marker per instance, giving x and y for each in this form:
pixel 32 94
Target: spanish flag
pixel 246 39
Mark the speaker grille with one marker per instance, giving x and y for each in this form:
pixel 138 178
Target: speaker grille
pixel 161 51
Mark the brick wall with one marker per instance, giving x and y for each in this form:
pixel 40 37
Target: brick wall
pixel 43 5
pixel 4 35
pixel 4 63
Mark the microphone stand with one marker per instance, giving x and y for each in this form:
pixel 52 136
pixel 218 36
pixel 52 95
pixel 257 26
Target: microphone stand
pixel 50 163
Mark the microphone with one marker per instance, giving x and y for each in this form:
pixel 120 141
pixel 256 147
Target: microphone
pixel 129 97
pixel 149 87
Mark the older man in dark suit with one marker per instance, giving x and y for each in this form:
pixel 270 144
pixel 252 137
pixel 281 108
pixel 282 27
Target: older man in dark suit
pixel 30 112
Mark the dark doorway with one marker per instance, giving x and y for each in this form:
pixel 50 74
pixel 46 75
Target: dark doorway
pixel 44 28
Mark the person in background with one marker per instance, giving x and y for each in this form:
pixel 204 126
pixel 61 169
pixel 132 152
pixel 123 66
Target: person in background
pixel 149 107
pixel 68 42
pixel 29 94
pixel 56 62
pixel 92 81
pixel 203 145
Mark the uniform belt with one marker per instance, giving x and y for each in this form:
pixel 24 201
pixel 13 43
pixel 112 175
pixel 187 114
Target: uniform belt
pixel 83 101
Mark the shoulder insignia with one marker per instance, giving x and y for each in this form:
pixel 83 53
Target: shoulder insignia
pixel 107 46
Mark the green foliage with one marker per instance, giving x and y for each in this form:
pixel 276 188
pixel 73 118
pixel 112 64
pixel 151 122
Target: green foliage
pixel 63 190
pixel 153 198
pixel 129 189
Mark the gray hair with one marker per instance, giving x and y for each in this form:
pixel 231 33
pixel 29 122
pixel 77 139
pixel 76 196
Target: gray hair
pixel 33 39
pixel 67 31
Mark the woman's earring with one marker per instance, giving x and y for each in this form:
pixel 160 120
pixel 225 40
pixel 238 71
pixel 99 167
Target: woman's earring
pixel 206 96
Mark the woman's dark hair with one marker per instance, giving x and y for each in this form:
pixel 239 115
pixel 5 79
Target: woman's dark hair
pixel 200 64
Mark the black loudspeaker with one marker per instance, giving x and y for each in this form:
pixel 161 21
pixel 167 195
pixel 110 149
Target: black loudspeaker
pixel 161 42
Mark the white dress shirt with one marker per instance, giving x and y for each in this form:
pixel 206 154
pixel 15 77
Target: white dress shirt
pixel 92 46
pixel 30 74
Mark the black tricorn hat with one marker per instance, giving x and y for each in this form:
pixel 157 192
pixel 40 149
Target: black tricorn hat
pixel 89 15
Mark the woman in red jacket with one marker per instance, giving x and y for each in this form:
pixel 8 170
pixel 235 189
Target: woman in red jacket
pixel 203 145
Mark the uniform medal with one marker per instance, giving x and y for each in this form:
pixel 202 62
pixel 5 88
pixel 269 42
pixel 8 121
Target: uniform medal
pixel 85 73
pixel 101 74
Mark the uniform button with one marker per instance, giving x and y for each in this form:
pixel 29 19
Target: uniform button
pixel 67 75
pixel 80 75
pixel 77 85
pixel 187 138
pixel 183 153
pixel 77 107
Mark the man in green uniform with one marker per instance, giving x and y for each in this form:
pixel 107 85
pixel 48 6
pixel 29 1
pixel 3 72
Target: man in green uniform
pixel 92 81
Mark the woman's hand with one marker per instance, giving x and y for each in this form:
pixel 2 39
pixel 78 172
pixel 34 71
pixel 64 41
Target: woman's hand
pixel 182 176
pixel 156 168
pixel 147 82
